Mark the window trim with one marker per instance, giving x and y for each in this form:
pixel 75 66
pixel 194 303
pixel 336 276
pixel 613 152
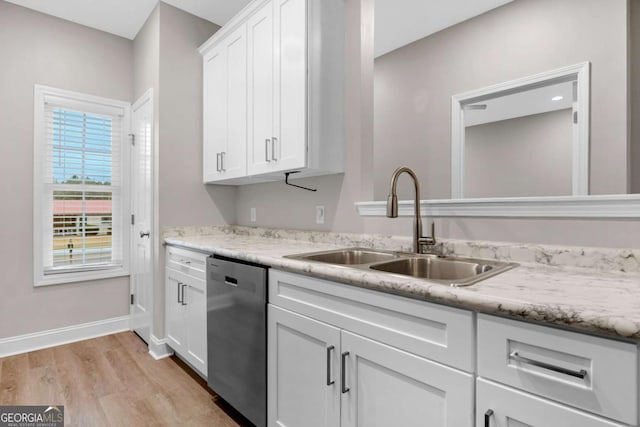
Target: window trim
pixel 87 273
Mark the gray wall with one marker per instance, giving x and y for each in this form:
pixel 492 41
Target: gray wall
pixel 634 116
pixel 280 206
pixel 521 157
pixel 40 49
pixel 414 84
pixel 167 59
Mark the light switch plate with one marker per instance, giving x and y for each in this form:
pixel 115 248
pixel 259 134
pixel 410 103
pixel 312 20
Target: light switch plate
pixel 253 214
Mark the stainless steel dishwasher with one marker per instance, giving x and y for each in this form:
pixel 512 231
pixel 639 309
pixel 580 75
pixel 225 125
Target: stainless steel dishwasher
pixel 237 335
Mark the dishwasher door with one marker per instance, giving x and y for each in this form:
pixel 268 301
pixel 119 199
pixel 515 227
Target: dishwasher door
pixel 237 335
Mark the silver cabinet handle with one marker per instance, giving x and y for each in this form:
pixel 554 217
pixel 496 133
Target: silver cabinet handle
pixel 185 261
pixel 343 372
pixel 487 418
pixel 218 168
pixel 183 288
pixel 274 142
pixel 222 155
pixel 144 234
pixel 577 374
pixel 329 351
pixel 266 150
pixel 179 288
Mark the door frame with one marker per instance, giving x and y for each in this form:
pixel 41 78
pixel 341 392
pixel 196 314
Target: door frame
pixel 147 96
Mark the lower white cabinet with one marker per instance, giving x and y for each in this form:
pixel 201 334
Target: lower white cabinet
pixel 186 310
pixel 321 375
pixel 501 406
pixel 303 365
pixel 384 386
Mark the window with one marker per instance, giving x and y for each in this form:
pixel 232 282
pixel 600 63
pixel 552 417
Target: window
pixel 80 187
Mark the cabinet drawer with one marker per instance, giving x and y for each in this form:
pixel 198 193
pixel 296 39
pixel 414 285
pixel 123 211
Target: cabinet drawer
pixel 595 374
pixel 180 278
pixel 188 262
pixel 433 331
pixel 510 407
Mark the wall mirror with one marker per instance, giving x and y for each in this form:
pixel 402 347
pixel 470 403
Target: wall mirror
pixel 468 54
pixel 523 138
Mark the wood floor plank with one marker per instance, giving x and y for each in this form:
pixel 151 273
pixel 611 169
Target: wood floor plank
pixel 14 389
pixel 113 381
pixel 41 358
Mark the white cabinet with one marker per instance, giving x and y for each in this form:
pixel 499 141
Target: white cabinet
pixel 277 87
pixel 186 306
pixel 225 105
pixel 293 91
pixel 500 406
pixel 323 374
pixel 540 366
pixel 303 369
pixel 390 387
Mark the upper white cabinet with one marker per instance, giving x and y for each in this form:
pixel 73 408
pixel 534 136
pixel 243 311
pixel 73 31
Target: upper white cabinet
pixel 225 106
pixel 273 92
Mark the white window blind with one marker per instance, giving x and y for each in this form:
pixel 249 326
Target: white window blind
pixel 81 187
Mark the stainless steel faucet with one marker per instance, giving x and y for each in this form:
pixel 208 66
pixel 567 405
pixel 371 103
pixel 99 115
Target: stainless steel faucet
pixel 392 210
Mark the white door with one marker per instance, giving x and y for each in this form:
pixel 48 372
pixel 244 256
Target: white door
pixel 500 406
pixel 260 90
pixel 385 387
pixel 303 371
pixel 290 85
pixel 141 204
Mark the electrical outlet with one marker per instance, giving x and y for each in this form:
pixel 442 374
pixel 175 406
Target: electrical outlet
pixel 253 214
pixel 319 214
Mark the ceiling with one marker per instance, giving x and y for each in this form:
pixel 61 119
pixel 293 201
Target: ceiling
pixel 400 22
pixel 397 22
pixel 125 17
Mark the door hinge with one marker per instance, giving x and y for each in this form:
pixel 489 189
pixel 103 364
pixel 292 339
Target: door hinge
pixel 575 117
pixel 133 219
pixel 131 299
pixel 133 139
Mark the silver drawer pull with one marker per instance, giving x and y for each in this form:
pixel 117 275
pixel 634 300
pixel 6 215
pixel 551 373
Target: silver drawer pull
pixel 185 261
pixel 577 374
pixel 329 351
pixel 266 150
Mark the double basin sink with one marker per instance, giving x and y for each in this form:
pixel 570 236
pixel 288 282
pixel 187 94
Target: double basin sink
pixel 451 271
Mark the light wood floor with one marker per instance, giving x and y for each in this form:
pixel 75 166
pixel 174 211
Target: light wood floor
pixel 112 381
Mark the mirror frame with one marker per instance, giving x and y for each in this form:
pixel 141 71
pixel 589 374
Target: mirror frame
pixel 580 158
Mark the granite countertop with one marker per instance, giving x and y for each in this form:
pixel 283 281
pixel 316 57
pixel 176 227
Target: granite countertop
pixel 592 300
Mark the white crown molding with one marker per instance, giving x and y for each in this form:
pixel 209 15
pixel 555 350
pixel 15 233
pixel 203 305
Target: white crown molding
pixel 158 348
pixel 609 206
pixel 54 337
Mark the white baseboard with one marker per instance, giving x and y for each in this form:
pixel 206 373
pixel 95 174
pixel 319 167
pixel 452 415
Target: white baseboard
pixel 54 337
pixel 158 348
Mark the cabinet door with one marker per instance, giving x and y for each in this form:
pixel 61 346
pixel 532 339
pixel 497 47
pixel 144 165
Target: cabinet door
pixel 260 90
pixel 225 108
pixel 500 406
pixel 303 369
pixel 234 157
pixel 196 324
pixel 214 112
pixel 175 318
pixel 290 84
pixel 385 387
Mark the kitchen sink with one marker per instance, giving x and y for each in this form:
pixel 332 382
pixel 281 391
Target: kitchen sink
pixel 451 271
pixel 351 256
